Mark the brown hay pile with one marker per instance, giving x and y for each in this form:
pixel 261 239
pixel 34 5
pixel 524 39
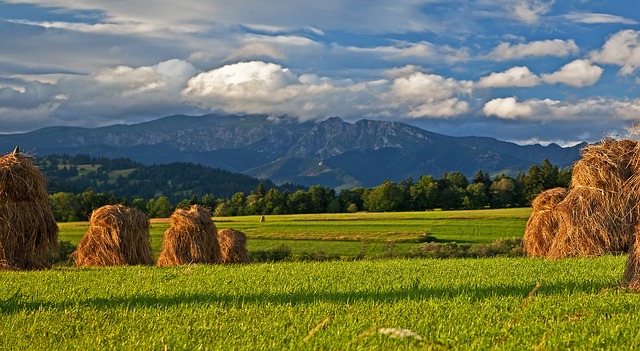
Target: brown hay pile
pixel 607 165
pixel 191 238
pixel 631 277
pixel 233 245
pixel 593 222
pixel 599 214
pixel 28 231
pixel 543 223
pixel 117 235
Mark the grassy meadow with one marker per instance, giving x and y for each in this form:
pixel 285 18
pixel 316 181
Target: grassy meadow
pixel 391 304
pixel 345 234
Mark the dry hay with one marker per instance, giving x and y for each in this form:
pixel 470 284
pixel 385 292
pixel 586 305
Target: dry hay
pixel 631 277
pixel 593 222
pixel 28 231
pixel 191 238
pixel 233 245
pixel 543 223
pixel 117 235
pixel 607 165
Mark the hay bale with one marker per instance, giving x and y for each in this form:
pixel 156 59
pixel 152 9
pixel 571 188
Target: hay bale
pixel 191 238
pixel 28 230
pixel 593 222
pixel 233 246
pixel 543 224
pixel 117 235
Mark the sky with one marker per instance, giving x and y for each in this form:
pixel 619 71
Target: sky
pixel 527 71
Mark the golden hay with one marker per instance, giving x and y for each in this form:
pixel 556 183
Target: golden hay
pixel 543 224
pixel 606 165
pixel 28 231
pixel 593 222
pixel 631 277
pixel 117 235
pixel 191 238
pixel 233 245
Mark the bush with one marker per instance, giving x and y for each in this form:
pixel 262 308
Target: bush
pixel 500 247
pixel 274 254
pixel 65 249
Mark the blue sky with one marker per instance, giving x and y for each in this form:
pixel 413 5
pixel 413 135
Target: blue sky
pixel 525 71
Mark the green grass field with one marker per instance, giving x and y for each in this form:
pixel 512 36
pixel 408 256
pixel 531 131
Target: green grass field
pixel 449 304
pixel 455 304
pixel 345 234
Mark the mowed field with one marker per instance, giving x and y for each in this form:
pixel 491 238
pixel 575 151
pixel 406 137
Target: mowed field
pixel 391 304
pixel 345 234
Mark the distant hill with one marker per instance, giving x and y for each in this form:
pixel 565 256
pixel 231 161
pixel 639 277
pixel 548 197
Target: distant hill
pixel 129 179
pixel 331 153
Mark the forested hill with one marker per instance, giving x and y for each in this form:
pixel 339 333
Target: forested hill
pixel 129 179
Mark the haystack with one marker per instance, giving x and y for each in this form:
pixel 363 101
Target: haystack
pixel 233 245
pixel 593 222
pixel 543 223
pixel 191 238
pixel 607 165
pixel 28 230
pixel 117 235
pixel 631 277
pixel 599 214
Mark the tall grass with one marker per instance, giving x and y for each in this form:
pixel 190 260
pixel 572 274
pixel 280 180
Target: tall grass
pixel 448 304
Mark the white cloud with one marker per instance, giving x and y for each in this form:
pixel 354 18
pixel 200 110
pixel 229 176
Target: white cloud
pixel 622 49
pixel 598 18
pixel 595 109
pixel 513 77
pixel 529 11
pixel 430 95
pixel 507 108
pixel 578 73
pixel 556 47
pixel 259 87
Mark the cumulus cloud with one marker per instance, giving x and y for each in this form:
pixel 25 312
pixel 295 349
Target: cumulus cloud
pixel 109 95
pixel 430 95
pixel 578 73
pixel 508 108
pixel 259 87
pixel 556 47
pixel 596 109
pixel 622 49
pixel 513 77
pixel 529 11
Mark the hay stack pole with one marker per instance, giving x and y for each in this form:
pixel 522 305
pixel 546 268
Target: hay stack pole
pixel 233 246
pixel 543 223
pixel 28 230
pixel 191 238
pixel 117 235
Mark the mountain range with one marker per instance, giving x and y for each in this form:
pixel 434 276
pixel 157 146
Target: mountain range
pixel 331 153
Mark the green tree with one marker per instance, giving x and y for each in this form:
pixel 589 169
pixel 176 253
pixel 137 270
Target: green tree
pixel 160 207
pixel 64 207
pixel 424 194
pixel 539 178
pixel 388 197
pixel 503 192
pixel 476 196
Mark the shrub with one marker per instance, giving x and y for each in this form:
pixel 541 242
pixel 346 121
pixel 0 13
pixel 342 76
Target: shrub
pixel 273 254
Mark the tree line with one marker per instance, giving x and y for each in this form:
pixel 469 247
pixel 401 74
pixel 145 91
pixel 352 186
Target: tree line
pixel 451 191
